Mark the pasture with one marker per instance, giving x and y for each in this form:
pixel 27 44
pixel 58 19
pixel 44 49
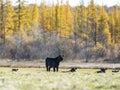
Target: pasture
pixel 39 79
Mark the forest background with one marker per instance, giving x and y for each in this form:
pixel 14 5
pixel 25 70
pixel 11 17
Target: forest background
pixel 29 32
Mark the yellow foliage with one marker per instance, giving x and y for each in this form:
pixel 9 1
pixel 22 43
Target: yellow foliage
pixel 104 35
pixel 9 23
pixel 107 36
pixel 98 48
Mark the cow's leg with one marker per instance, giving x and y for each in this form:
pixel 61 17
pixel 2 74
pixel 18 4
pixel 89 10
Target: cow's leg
pixel 57 68
pixel 54 69
pixel 47 65
pixel 49 68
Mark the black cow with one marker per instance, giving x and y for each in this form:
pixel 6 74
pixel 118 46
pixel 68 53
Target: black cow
pixel 14 70
pixel 102 70
pixel 53 62
pixel 73 70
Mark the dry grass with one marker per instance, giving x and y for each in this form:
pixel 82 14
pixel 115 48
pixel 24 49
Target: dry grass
pixel 39 79
pixel 65 64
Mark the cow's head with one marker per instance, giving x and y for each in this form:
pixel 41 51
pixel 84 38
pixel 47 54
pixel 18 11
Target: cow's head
pixel 60 58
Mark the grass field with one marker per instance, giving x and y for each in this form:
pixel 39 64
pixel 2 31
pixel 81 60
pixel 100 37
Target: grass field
pixel 39 79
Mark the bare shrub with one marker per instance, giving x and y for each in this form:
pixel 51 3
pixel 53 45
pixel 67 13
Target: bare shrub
pixel 113 52
pixel 99 51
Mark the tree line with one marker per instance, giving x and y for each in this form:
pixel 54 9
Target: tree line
pixel 81 32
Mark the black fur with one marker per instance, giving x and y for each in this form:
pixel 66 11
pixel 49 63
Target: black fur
pixel 102 70
pixel 14 70
pixel 73 69
pixel 53 62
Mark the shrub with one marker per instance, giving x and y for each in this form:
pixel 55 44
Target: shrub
pixel 99 50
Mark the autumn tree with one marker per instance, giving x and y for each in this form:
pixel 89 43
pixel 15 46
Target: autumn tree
pixel 112 25
pixel 34 13
pixel 32 21
pixel 2 30
pixel 9 20
pixel 66 20
pixel 43 15
pixel 58 18
pixel 80 16
pixel 117 24
pixel 92 21
pixel 104 36
pixel 21 20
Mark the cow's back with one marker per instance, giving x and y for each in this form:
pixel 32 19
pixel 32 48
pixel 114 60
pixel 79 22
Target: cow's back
pixel 49 61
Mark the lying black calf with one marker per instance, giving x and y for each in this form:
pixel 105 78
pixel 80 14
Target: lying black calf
pixel 102 70
pixel 14 70
pixel 73 70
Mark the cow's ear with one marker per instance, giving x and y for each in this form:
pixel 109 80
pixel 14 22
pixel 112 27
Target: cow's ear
pixel 62 55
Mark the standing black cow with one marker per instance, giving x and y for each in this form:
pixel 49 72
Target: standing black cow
pixel 53 62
